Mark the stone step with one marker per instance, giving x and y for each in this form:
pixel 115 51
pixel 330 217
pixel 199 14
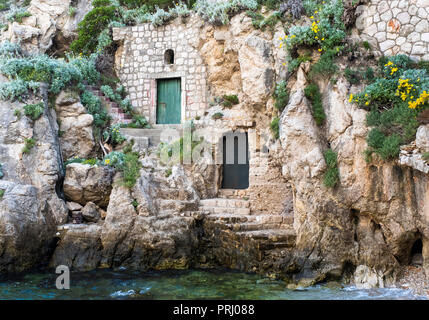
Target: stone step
pixel 271 235
pixel 156 134
pixel 230 218
pixel 176 205
pixel 225 203
pixel 253 226
pixel 215 210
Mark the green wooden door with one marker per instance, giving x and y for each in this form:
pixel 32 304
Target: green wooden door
pixel 168 109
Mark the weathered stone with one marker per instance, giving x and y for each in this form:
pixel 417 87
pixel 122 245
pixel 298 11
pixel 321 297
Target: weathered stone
pixel 422 138
pixel 86 183
pixel 73 206
pixel 91 212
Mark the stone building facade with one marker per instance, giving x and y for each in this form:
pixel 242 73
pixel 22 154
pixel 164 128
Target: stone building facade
pixel 396 27
pixel 151 54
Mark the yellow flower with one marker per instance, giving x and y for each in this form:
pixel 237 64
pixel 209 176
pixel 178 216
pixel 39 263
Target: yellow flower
pixel 351 98
pixel 320 50
pixel 312 17
pixel 107 161
pixel 367 103
pixel 281 45
pixel 323 39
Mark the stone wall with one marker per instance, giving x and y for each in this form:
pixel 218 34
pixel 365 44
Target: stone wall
pixel 142 62
pixel 396 27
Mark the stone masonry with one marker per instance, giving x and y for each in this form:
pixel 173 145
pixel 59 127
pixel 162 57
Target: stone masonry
pixel 396 27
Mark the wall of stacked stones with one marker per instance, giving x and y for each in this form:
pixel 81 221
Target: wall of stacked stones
pixel 396 27
pixel 142 61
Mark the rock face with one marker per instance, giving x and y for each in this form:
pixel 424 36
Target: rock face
pixel 30 209
pixel 49 21
pixel 371 219
pixel 76 137
pixel 84 183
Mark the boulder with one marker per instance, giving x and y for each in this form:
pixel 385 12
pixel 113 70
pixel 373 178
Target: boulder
pixel 91 212
pixel 84 183
pixel 73 206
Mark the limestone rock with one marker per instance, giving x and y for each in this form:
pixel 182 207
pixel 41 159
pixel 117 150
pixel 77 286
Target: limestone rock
pixel 73 206
pixel 86 183
pixel 422 138
pixel 366 278
pixel 77 138
pixel 91 212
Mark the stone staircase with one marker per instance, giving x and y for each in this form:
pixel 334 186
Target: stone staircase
pixel 266 231
pixel 118 115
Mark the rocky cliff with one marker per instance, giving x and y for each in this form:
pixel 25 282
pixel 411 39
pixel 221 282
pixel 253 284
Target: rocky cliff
pixel 362 230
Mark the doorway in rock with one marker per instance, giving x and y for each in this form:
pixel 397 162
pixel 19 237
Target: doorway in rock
pixel 416 254
pixel 168 107
pixel 235 168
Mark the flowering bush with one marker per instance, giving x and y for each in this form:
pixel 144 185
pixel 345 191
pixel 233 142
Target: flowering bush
pixel 114 134
pixel 394 99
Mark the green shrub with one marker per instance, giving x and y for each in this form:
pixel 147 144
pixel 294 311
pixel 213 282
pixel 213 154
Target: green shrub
pixel 217 116
pixel 366 45
pixel 34 111
pixel 275 128
pixel 17 113
pixel 29 144
pixel 90 28
pixel 2 192
pixel 131 169
pixel 4 5
pixel 281 95
pixel 425 156
pixel 229 100
pixel 312 92
pixel 293 64
pixel 325 66
pixel 352 76
pixel 332 175
pixel 94 107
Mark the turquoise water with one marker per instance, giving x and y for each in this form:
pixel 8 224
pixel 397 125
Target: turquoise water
pixel 189 284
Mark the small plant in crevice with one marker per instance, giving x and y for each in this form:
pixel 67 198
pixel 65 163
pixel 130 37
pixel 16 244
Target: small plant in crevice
pixel 332 175
pixel 229 100
pixel 312 93
pixel 281 96
pixel 17 113
pixel 29 144
pixel 275 128
pixel 17 14
pixel 135 203
pixel 2 192
pixel 168 172
pixel 425 156
pixel 217 116
pixel 114 135
pixel 34 111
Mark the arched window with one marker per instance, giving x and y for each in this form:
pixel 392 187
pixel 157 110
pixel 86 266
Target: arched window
pixel 169 56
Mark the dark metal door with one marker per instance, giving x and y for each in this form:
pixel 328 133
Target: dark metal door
pixel 235 165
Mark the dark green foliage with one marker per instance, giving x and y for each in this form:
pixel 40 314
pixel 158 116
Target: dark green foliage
pixel 332 175
pixel 168 172
pixel 90 27
pixel 29 143
pixel 275 128
pixel 17 113
pixel 4 5
pixel 132 4
pixel 366 45
pixel 295 63
pixel 2 192
pixel 34 111
pixel 393 127
pixel 325 66
pixel 217 115
pixel 281 96
pixel 229 100
pixel 312 93
pixel 135 203
pixel 352 76
pixel 270 4
pixel 94 107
